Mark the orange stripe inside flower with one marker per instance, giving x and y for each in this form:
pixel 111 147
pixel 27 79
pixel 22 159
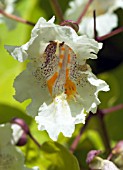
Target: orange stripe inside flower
pixel 61 78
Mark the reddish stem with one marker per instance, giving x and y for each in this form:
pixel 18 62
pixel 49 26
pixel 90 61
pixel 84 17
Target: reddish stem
pixel 77 139
pixel 16 18
pixel 84 11
pixel 57 9
pixel 35 141
pixel 109 156
pixel 112 109
pixel 104 133
pixel 115 32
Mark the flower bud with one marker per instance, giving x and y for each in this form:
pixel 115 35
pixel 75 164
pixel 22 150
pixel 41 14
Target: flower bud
pixel 23 140
pixel 20 131
pixel 91 155
pixel 71 24
pixel 21 123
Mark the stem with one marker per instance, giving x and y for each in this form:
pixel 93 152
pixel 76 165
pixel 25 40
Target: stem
pixel 34 140
pixel 84 11
pixel 112 109
pixel 57 9
pixel 115 32
pixel 109 156
pixel 16 18
pixel 95 32
pixel 105 137
pixel 76 140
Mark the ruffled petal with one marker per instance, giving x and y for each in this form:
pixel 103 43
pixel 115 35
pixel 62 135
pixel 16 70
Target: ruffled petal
pixel 57 118
pixel 88 90
pixel 27 87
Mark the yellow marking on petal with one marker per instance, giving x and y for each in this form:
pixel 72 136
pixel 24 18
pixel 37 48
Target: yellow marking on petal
pixel 61 56
pixel 63 48
pixel 69 58
pixel 60 65
pixel 67 73
pixel 51 82
pixel 70 88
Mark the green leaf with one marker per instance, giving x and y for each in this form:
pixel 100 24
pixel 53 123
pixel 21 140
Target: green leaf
pixel 59 157
pixel 7 112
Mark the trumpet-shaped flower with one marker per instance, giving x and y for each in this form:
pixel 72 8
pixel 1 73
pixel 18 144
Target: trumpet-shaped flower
pixel 57 79
pixel 11 158
pixel 106 19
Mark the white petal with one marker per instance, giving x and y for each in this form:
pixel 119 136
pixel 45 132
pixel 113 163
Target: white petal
pixel 57 118
pixel 116 5
pixel 99 85
pixel 88 90
pixel 60 33
pixel 87 25
pixel 19 53
pixel 102 26
pixel 27 87
pixel 107 165
pixel 17 133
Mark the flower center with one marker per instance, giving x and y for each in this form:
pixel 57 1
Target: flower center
pixel 59 80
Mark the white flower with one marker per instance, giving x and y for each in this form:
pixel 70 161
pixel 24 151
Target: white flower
pixel 109 165
pixel 57 79
pixel 8 7
pixel 106 19
pixel 11 158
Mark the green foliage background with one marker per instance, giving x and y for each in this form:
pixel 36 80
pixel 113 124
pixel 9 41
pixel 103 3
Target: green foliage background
pixel 55 156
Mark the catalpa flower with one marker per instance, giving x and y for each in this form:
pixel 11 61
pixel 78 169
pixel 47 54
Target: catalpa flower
pixel 11 158
pixel 57 79
pixel 106 19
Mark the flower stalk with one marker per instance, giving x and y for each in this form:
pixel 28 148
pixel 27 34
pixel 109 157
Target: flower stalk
pixel 34 140
pixel 84 11
pixel 104 133
pixel 77 139
pixel 16 18
pixel 57 9
pixel 113 33
pixel 112 109
pixel 95 32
